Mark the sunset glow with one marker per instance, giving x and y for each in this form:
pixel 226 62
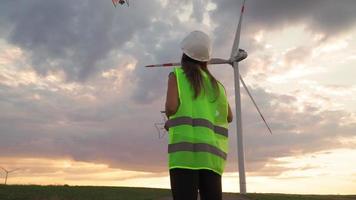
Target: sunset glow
pixel 77 106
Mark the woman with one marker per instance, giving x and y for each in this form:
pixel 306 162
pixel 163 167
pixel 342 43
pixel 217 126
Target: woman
pixel 199 114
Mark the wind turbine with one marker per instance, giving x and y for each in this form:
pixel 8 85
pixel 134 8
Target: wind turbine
pixel 236 56
pixel 7 173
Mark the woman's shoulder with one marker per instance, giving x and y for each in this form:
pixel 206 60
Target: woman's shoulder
pixel 171 74
pixel 172 77
pixel 175 70
pixel 221 85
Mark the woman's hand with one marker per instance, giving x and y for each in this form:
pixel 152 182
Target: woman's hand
pixel 229 114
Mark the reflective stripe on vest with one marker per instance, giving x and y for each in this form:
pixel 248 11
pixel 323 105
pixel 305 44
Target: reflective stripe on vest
pixel 197 122
pixel 196 147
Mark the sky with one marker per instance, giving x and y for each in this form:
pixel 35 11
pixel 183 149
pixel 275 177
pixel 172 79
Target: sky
pixel 79 108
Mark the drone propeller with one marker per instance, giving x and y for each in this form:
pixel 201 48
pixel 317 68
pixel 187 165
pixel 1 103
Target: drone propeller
pixel 114 2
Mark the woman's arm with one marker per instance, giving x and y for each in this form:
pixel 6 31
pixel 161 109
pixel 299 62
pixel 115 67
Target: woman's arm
pixel 172 99
pixel 229 112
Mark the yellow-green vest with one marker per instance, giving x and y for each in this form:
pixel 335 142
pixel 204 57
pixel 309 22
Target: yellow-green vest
pixel 198 134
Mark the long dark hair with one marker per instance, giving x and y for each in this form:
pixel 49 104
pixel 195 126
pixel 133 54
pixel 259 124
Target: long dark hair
pixel 192 69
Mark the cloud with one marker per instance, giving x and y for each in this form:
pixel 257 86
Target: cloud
pixel 87 123
pixel 73 36
pixel 295 131
pixel 49 171
pixel 198 10
pixel 328 17
pixel 75 85
pixel 297 55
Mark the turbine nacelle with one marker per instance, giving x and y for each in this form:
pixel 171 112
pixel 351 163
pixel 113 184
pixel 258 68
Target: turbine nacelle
pixel 241 55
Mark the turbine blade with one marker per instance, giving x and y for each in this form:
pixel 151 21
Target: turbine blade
pixel 4 169
pixel 249 94
pixel 164 65
pixel 235 46
pixel 14 170
pixel 215 61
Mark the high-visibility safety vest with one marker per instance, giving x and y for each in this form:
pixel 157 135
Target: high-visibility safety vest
pixel 198 134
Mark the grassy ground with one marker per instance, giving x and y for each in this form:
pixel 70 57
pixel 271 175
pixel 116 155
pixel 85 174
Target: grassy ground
pixel 35 192
pixel 299 197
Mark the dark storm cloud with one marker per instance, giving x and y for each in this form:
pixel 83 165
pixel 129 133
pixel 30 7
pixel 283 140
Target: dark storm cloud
pixel 78 36
pixel 328 17
pixel 159 44
pixel 74 36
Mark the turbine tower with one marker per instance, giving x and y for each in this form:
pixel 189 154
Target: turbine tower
pixel 7 173
pixel 236 56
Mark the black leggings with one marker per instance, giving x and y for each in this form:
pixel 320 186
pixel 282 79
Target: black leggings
pixel 185 184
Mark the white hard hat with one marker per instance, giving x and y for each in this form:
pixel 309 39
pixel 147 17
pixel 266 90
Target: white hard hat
pixel 197 45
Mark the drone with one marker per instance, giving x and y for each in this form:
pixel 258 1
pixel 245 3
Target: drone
pixel 160 126
pixel 121 2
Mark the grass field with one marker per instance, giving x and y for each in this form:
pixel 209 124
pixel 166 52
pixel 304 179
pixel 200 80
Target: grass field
pixel 35 192
pixel 299 197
